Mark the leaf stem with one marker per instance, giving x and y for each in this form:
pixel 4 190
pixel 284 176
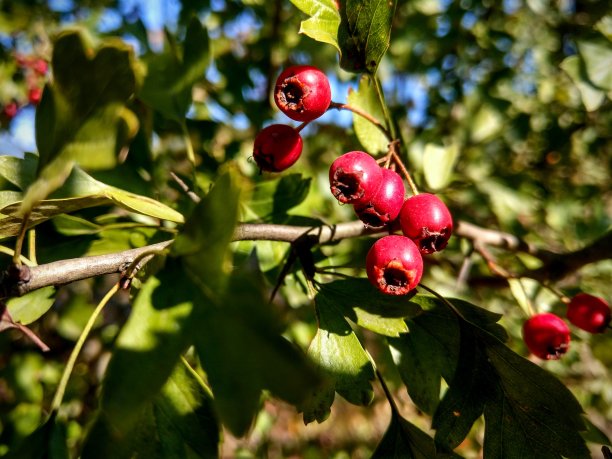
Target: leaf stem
pixel 20 238
pixel 188 144
pixel 32 246
pixel 393 146
pixel 445 301
pixel 61 389
pixel 197 377
pixel 388 394
pixel 363 114
pixel 11 253
pixel 385 109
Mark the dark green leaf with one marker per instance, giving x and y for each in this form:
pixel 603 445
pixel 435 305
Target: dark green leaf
pixel 404 440
pixel 240 346
pixel 365 98
pixel 357 300
pixel 522 419
pixel 323 22
pixel 364 33
pixel 271 199
pixel 178 422
pixel 149 345
pixel 46 442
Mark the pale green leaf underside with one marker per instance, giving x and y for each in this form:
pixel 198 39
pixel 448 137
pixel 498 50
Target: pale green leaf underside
pixel 438 164
pixel 371 138
pixel 323 22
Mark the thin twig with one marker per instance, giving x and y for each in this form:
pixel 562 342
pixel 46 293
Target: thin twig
pixel 363 114
pixel 194 197
pixel 398 161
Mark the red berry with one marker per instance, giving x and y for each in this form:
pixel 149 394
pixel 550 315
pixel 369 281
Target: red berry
pixel 385 205
pixel 10 110
pixel 354 177
pixel 394 265
pixel 589 313
pixel 40 66
pixel 34 95
pixel 426 220
pixel 546 335
pixel 277 147
pixel 302 92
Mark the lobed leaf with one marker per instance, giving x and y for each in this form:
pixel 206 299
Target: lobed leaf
pixel 270 200
pixel 324 20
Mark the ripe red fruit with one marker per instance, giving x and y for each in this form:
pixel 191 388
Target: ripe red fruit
pixel 385 205
pixel 394 265
pixel 302 92
pixel 277 147
pixel 426 220
pixel 546 335
pixel 34 95
pixel 10 110
pixel 589 313
pixel 354 177
pixel 40 66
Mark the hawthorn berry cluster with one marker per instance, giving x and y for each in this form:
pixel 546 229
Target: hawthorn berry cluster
pixel 548 336
pixel 303 93
pixel 394 264
pixel 33 71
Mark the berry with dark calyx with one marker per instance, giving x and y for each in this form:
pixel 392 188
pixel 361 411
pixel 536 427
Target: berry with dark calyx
pixel 426 220
pixel 277 147
pixel 384 207
pixel 589 313
pixel 354 177
pixel 546 335
pixel 302 92
pixel 394 265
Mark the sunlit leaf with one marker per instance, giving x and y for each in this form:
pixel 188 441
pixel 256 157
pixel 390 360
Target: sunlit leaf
pixel 597 57
pixel 19 171
pixel 365 98
pixel 30 307
pixel 438 164
pixel 592 97
pixel 323 22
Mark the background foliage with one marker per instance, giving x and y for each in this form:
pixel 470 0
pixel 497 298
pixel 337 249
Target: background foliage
pixel 503 109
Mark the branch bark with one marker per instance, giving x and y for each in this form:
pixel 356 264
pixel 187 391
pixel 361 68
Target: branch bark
pixel 555 265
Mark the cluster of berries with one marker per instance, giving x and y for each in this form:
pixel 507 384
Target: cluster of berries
pixel 33 70
pixel 548 336
pixel 394 264
pixel 303 93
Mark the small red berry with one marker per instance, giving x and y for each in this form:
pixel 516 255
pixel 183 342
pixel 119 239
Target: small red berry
pixel 385 205
pixel 10 110
pixel 589 313
pixel 34 95
pixel 40 66
pixel 546 335
pixel 426 220
pixel 302 92
pixel 277 147
pixel 394 265
pixel 354 177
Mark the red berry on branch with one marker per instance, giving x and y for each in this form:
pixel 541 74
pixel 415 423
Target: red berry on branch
pixel 589 313
pixel 34 95
pixel 354 177
pixel 10 110
pixel 546 335
pixel 394 265
pixel 426 220
pixel 277 147
pixel 302 92
pixel 40 66
pixel 384 207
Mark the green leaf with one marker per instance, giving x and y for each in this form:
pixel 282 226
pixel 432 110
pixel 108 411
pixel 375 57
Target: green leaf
pixel 324 20
pixel 46 442
pixel 597 56
pixel 208 231
pixel 592 97
pixel 81 191
pixel 272 199
pixel 486 124
pixel 365 33
pixel 357 300
pixel 521 417
pixel 82 115
pixel 365 98
pixel 229 334
pixel 338 352
pixel 438 164
pixel 149 345
pixel 29 308
pixel 167 86
pixel 19 171
pixel 404 440
pixel 179 422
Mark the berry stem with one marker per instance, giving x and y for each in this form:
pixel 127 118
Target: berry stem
pixel 61 389
pixel 302 126
pixel 564 299
pixel 363 114
pixel 393 146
